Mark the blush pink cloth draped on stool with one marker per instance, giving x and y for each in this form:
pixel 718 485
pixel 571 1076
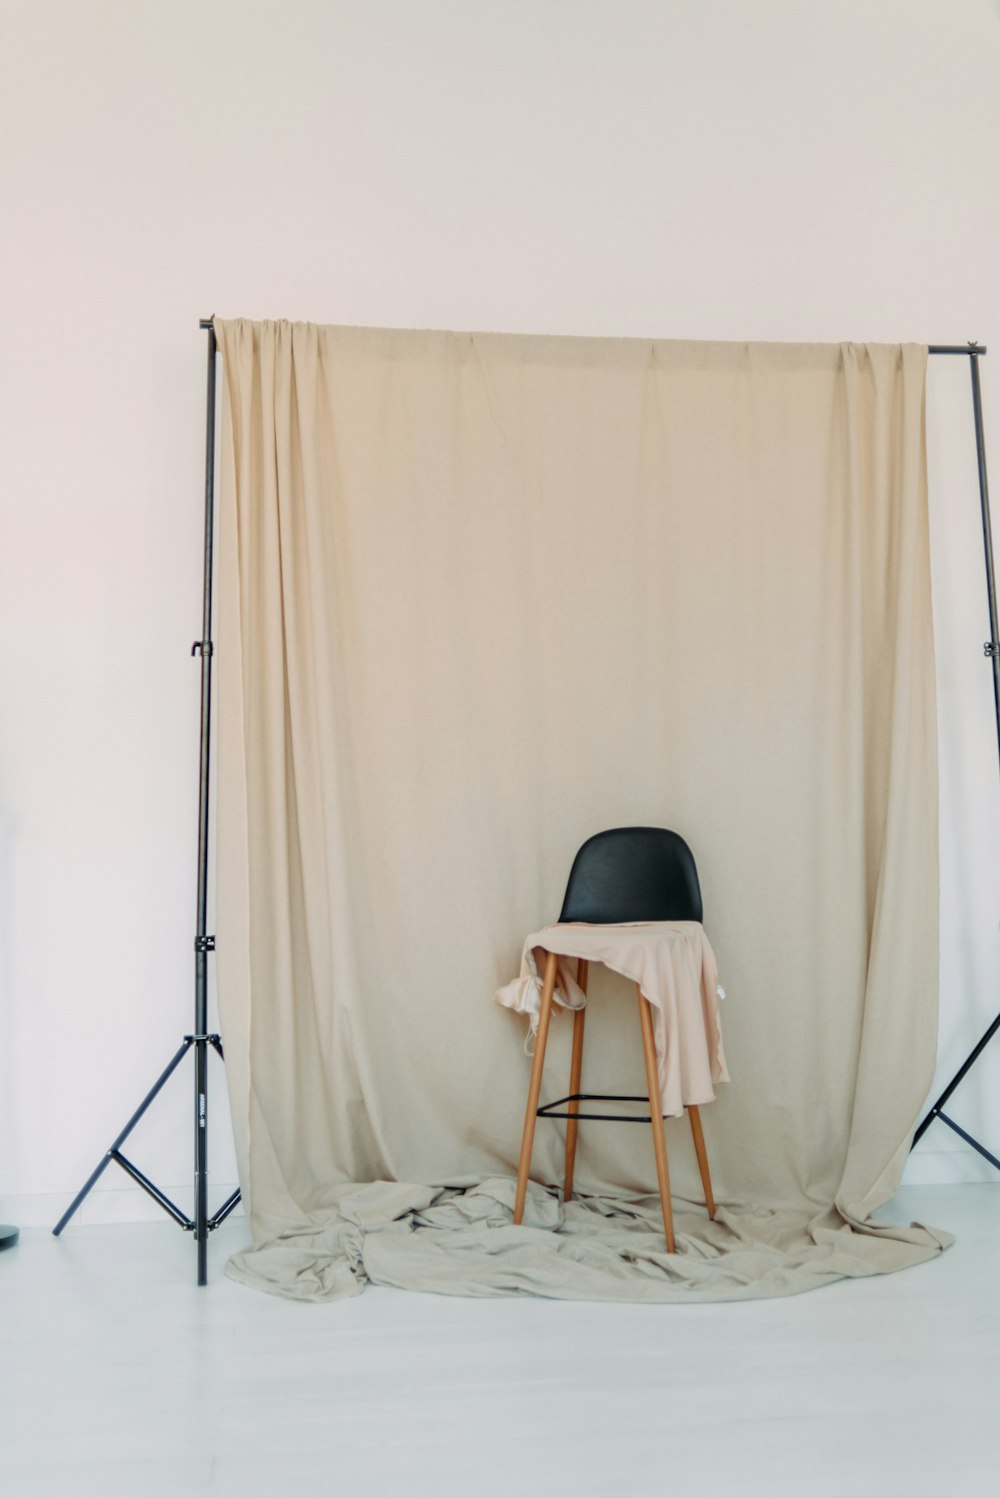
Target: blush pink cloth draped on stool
pixel 674 969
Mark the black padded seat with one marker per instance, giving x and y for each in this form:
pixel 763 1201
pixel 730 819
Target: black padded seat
pixel 633 874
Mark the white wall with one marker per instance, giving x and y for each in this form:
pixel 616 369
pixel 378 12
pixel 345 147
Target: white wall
pixel 759 169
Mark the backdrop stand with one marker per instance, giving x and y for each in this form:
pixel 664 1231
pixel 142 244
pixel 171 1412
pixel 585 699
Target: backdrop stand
pixel 992 650
pixel 201 1041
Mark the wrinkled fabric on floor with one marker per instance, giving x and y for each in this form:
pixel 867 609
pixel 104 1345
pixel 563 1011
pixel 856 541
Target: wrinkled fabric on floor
pixel 462 1242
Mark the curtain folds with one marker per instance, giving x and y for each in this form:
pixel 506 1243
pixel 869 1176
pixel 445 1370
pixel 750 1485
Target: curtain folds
pixel 482 596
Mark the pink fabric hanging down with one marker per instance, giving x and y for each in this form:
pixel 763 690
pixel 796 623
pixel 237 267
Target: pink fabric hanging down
pixel 674 966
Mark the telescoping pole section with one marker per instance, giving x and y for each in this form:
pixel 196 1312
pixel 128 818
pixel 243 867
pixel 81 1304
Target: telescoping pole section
pixel 203 943
pixel 201 1041
pixel 992 650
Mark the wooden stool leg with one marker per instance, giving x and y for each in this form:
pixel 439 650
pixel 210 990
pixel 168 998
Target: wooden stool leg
pixel 702 1153
pixel 575 1072
pixel 656 1118
pixel 535 1088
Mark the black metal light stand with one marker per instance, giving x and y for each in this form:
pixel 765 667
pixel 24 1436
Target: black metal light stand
pixel 201 1224
pixel 992 650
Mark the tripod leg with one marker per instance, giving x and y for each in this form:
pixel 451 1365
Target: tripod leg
pixel 109 1155
pixel 232 1201
pixel 229 1205
pixel 969 1061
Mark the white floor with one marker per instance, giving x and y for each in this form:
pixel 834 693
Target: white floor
pixel 119 1378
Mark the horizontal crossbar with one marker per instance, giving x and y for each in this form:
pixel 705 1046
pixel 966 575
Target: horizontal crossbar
pixel 549 1109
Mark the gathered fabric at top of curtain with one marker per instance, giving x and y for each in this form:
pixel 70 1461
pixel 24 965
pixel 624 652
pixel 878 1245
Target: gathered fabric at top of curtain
pixel 484 595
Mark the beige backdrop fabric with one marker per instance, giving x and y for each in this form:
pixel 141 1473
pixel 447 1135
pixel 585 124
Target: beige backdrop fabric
pixel 483 596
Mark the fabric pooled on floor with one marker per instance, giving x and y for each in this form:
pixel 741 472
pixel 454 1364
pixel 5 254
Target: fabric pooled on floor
pixel 463 1242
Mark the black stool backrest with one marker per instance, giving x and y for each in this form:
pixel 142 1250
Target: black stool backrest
pixel 633 874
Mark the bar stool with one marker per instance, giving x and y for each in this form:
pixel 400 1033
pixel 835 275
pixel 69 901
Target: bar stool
pixel 624 875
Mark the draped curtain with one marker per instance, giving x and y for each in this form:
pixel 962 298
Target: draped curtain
pixel 483 596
